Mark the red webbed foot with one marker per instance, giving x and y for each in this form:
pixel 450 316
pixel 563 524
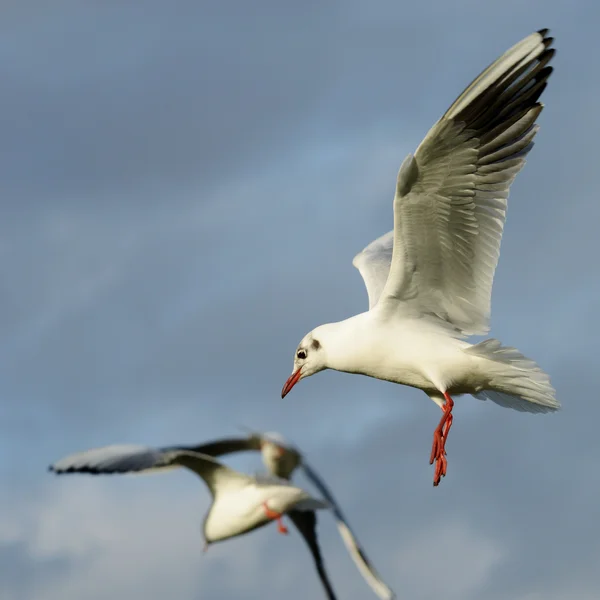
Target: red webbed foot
pixel 440 435
pixel 275 516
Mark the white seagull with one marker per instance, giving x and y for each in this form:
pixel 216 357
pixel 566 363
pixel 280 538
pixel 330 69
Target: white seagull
pixel 240 503
pixel 429 281
pixel 281 459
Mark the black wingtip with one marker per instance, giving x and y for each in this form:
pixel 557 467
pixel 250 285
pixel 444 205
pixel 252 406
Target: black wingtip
pixel 545 73
pixel 547 41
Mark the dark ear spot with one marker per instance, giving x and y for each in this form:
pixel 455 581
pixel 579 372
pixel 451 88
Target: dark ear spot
pixel 316 344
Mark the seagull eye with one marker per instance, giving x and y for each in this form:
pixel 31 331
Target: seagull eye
pixel 301 354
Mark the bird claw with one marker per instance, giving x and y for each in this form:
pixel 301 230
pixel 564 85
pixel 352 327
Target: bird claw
pixel 441 462
pixel 275 516
pixel 440 469
pixel 438 448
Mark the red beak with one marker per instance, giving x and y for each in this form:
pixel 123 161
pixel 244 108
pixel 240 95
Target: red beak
pixel 290 383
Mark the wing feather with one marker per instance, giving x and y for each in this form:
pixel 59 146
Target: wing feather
pixel 451 196
pixel 131 458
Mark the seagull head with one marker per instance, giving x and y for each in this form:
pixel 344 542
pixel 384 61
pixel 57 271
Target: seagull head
pixel 308 360
pixel 273 445
pixel 273 455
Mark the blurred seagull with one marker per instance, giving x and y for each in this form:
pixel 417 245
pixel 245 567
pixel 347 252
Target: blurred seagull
pixel 281 460
pixel 429 281
pixel 240 503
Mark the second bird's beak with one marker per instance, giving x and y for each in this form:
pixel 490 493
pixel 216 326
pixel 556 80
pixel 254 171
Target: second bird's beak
pixel 293 379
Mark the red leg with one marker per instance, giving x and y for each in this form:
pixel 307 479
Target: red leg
pixel 440 435
pixel 272 514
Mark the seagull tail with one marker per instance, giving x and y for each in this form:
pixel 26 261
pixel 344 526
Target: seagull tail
pixel 515 381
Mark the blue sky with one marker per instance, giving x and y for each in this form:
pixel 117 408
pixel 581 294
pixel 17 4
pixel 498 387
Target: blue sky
pixel 183 188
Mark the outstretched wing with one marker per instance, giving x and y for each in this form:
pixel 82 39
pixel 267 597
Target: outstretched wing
pixel 353 546
pixel 108 460
pixel 134 458
pixel 451 196
pixel 373 263
pixel 121 459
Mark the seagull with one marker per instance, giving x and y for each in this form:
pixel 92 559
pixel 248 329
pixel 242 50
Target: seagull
pixel 281 460
pixel 429 280
pixel 240 503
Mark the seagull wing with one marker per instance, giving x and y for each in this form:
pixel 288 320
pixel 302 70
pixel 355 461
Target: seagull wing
pixel 306 523
pixel 364 565
pixel 451 196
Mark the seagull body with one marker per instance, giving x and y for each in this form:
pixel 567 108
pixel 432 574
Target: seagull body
pixel 242 508
pixel 415 353
pixel 429 280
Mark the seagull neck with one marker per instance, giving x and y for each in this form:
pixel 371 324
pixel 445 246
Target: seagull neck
pixel 340 341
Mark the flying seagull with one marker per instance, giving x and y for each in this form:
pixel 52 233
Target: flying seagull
pixel 280 458
pixel 240 503
pixel 429 281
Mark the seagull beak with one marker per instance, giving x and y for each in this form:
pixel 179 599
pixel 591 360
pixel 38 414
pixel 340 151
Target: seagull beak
pixel 293 379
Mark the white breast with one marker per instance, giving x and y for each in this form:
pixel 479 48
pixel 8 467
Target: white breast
pixel 403 351
pixel 236 512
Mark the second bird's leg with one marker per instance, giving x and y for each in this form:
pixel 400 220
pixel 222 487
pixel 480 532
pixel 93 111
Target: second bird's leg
pixel 440 435
pixel 275 516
